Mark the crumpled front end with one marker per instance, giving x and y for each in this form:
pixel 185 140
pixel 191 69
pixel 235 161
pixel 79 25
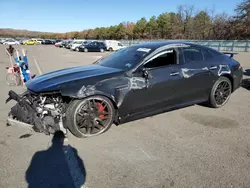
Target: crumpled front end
pixel 44 113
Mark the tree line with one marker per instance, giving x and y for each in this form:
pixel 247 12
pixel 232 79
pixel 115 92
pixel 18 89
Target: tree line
pixel 185 23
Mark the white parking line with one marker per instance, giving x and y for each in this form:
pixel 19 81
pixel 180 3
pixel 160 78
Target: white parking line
pixel 37 66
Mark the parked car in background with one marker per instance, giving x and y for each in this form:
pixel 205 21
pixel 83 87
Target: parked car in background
pixel 59 40
pixel 2 40
pixel 10 42
pixel 30 42
pixel 84 43
pixel 94 46
pixel 65 43
pixel 57 44
pixel 113 45
pixel 75 44
pixel 53 41
pixel 47 42
pixel 68 46
pixel 39 40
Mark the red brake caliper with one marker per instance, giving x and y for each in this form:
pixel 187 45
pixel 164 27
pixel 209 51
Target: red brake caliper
pixel 100 109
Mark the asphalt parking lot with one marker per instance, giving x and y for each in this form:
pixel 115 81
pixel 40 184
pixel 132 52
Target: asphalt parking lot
pixel 194 147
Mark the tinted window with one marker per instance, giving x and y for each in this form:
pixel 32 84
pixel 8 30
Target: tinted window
pixel 192 54
pixel 207 55
pixel 165 58
pixel 125 58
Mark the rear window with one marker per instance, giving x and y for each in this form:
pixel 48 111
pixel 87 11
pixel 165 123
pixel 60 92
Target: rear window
pixel 192 54
pixel 207 55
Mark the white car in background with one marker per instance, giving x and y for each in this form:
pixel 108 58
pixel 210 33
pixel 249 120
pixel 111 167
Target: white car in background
pixel 38 40
pixel 75 44
pixel 11 42
pixel 113 45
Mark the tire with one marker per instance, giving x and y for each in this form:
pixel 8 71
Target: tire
pixel 85 50
pixel 72 114
pixel 111 49
pixel 213 102
pixel 101 50
pixel 77 49
pixel 13 79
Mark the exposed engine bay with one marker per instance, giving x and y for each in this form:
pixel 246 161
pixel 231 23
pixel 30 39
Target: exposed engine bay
pixel 45 113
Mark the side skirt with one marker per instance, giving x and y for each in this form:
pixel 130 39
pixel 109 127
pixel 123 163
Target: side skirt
pixel 148 113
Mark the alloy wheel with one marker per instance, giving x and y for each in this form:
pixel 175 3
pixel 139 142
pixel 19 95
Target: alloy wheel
pixel 222 93
pixel 93 116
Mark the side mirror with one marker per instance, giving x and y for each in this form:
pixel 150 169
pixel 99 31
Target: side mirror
pixel 146 74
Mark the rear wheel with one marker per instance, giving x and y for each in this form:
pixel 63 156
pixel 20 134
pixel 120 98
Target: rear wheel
pixel 220 92
pixel 85 50
pixel 101 50
pixel 91 116
pixel 77 49
pixel 111 49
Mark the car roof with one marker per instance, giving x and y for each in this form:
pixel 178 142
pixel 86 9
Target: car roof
pixel 157 44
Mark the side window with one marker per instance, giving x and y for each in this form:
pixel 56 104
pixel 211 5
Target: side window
pixel 192 54
pixel 119 44
pixel 164 58
pixel 207 55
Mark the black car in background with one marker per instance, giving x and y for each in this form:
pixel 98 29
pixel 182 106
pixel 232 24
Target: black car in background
pixel 65 43
pixel 68 45
pixel 94 46
pixel 47 42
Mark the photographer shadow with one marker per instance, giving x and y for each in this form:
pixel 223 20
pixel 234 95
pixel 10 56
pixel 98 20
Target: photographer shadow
pixel 59 166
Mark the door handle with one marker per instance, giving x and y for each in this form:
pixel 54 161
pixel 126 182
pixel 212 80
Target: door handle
pixel 174 73
pixel 213 67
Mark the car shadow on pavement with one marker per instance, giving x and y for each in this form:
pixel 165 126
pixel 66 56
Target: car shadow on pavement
pixel 58 166
pixel 246 83
pixel 247 72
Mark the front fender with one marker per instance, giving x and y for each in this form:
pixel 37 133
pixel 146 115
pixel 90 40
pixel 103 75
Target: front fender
pixel 110 88
pixel 89 90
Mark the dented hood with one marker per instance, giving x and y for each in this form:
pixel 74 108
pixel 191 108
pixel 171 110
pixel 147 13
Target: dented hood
pixel 69 78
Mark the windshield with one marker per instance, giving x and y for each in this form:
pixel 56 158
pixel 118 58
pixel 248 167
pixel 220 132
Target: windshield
pixel 86 42
pixel 125 58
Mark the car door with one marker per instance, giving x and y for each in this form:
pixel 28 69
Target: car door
pixel 197 75
pixel 156 84
pixel 93 47
pixel 102 46
pixel 97 47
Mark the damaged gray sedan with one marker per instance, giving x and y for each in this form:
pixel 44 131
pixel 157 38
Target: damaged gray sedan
pixel 132 83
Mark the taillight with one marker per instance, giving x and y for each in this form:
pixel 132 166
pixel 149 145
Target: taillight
pixel 238 66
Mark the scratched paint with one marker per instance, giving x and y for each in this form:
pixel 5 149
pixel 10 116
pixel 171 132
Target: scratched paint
pixel 224 69
pixel 187 73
